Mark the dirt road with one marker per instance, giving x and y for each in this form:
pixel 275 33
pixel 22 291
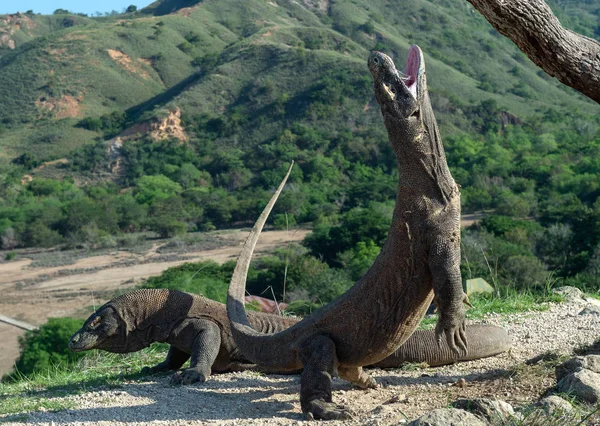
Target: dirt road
pixel 35 294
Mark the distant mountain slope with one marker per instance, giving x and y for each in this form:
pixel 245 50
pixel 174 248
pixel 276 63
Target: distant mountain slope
pixel 225 57
pixel 165 7
pixel 19 28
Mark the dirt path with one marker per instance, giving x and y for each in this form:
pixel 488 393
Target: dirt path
pixel 68 295
pixel 252 399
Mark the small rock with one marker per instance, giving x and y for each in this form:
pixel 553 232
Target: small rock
pixel 571 294
pixel 382 410
pixel 554 404
pixel 396 398
pixel 589 362
pixel 583 384
pixel 590 310
pixel 462 383
pixel 491 409
pixel 593 302
pixel 448 417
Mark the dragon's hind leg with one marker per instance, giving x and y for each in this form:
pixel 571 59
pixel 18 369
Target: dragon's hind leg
pixel 319 360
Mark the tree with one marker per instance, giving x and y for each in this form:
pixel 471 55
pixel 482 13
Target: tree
pixel 570 57
pixel 132 8
pixel 61 12
pixel 39 235
pixel 167 217
pixel 131 214
pixel 151 189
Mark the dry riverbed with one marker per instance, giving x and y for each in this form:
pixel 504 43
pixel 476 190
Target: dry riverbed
pixel 251 398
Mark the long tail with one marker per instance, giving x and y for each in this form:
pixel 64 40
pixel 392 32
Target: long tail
pixel 484 341
pixel 267 350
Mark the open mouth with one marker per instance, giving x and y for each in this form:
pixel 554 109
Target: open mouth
pixel 411 72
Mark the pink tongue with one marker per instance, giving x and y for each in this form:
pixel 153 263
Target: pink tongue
pixel 411 70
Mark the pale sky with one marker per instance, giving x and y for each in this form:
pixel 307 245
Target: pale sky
pixel 46 7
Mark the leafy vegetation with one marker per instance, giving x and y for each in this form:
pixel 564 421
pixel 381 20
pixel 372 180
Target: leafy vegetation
pixel 46 348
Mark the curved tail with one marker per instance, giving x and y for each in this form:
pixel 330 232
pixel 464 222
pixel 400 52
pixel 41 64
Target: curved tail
pixel 422 346
pixel 267 350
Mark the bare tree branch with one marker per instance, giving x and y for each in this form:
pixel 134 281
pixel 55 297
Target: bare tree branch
pixel 570 57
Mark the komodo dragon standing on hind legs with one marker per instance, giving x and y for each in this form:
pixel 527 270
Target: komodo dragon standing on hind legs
pixel 198 328
pixel 420 259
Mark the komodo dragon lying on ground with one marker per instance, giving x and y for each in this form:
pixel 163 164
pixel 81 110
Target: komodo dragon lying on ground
pixel 198 327
pixel 420 258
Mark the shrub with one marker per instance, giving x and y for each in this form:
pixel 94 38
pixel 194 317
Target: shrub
pixel 302 307
pixel 587 282
pixel 167 227
pixel 358 260
pixel 284 221
pixel 10 255
pixel 39 235
pixel 524 271
pixel 46 347
pixel 9 238
pixel 206 278
pixel 356 225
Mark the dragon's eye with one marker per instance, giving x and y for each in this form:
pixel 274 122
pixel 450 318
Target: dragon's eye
pixel 376 60
pixel 95 323
pixel 393 89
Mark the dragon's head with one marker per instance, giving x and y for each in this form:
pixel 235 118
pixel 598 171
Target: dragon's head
pixel 102 330
pixel 401 96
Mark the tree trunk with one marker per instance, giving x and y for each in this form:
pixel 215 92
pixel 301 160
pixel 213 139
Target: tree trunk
pixel 570 57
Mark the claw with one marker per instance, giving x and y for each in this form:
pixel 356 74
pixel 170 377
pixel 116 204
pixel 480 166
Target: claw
pixel 438 336
pixel 451 344
pixel 466 300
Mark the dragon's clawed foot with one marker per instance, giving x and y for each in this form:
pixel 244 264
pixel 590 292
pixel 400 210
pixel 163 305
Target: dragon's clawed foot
pixel 371 383
pixel 320 410
pixel 188 376
pixel 453 326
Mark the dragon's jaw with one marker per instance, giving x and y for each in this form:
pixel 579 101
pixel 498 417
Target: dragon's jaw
pixel 413 70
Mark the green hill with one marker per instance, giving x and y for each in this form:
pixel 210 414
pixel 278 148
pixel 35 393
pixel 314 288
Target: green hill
pixel 137 62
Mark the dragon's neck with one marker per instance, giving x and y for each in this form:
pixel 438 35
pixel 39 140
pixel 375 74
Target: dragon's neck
pixel 423 170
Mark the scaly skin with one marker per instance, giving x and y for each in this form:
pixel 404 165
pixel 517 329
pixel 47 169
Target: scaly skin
pixel 420 258
pixel 193 325
pixel 134 321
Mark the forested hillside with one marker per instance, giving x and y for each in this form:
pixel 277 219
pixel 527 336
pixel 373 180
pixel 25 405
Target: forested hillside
pixel 184 116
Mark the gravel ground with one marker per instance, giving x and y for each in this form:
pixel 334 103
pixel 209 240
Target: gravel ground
pixel 250 398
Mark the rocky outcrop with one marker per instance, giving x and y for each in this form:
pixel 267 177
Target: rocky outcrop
pixel 554 404
pixel 448 417
pixel 583 384
pixel 589 362
pixel 159 128
pixel 493 410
